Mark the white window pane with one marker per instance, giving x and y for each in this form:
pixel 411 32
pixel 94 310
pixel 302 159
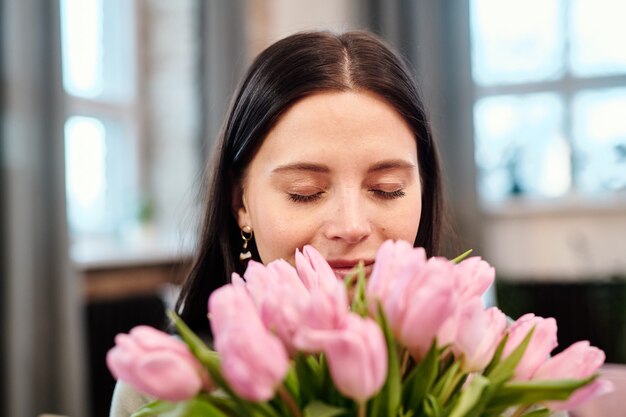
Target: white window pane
pixel 520 148
pixel 81 33
pixel 600 140
pixel 98 48
pixel 598 33
pixel 100 176
pixel 85 171
pixel 516 40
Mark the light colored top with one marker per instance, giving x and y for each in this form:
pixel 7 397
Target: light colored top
pixel 126 400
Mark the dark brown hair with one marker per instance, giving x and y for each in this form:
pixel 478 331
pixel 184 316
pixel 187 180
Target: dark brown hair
pixel 287 71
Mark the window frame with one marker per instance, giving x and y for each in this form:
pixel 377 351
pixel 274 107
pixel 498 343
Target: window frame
pixel 127 111
pixel 565 86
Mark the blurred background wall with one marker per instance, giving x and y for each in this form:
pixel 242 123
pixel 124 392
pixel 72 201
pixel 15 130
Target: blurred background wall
pixel 109 113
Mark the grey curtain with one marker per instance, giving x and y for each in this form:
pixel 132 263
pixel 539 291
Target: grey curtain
pixel 224 60
pixel 42 355
pixel 434 36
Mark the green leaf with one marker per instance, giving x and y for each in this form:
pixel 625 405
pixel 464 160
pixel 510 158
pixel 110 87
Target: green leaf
pixel 196 407
pixel 320 409
pixel 462 256
pixel 497 356
pixel 543 412
pixel 228 405
pixel 408 413
pixel 532 392
pixel 420 380
pixel 205 355
pixel 431 406
pixel 359 300
pixel 387 402
pixel 505 370
pixel 448 378
pixel 154 408
pixel 292 385
pixel 470 397
pixel 310 380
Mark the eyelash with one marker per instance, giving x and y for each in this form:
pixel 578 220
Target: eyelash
pixel 389 195
pixel 385 195
pixel 298 198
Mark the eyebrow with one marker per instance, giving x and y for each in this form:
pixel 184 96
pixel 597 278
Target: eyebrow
pixel 320 168
pixel 391 164
pixel 302 166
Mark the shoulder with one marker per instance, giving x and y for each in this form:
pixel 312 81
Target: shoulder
pixel 126 400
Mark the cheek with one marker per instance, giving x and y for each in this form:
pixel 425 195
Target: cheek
pixel 402 222
pixel 278 232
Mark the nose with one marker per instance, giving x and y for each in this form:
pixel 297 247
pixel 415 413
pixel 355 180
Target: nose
pixel 348 220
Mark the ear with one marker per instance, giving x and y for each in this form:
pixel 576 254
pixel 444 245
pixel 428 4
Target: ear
pixel 240 208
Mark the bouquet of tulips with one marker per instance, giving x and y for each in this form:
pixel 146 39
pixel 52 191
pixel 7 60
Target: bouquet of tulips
pixel 413 339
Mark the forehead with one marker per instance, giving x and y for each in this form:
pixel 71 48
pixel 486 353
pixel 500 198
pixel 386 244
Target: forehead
pixel 338 128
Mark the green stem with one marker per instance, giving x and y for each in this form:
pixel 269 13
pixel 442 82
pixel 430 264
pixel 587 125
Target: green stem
pixel 289 401
pixel 450 388
pixel 405 362
pixel 362 409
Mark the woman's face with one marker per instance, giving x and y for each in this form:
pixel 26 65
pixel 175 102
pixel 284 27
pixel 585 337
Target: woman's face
pixel 338 172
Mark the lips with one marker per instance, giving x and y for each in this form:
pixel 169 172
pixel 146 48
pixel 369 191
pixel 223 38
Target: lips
pixel 343 267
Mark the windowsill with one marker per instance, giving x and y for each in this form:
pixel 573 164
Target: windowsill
pixel 572 204
pixel 148 249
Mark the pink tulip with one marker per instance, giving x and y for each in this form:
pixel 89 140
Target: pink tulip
pixel 280 297
pixel 156 364
pixel 543 341
pixel 394 260
pixel 479 333
pixel 313 269
pixel 357 356
pixel 327 310
pixel 474 277
pixel 254 361
pixel 578 361
pixel 230 305
pixel 262 278
pixel 420 303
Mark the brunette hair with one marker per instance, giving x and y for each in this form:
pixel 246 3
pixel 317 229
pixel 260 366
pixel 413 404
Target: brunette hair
pixel 287 71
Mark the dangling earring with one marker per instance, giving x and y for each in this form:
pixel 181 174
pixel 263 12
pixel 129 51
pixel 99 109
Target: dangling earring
pixel 246 235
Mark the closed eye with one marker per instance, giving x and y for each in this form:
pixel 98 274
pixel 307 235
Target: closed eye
pixel 388 195
pixel 308 198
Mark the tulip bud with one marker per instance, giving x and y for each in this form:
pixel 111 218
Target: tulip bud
pixel 474 277
pixel 542 342
pixel 357 358
pixel 394 260
pixel 245 345
pixel 156 364
pixel 229 305
pixel 313 269
pixel 420 303
pixel 280 297
pixel 479 333
pixel 578 361
pixel 254 361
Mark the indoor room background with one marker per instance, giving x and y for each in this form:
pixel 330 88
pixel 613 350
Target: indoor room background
pixel 110 109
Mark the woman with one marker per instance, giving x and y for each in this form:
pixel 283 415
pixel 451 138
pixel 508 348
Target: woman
pixel 315 112
pixel 326 143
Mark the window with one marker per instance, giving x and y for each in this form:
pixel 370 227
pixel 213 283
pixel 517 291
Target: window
pixel 550 97
pixel 101 127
